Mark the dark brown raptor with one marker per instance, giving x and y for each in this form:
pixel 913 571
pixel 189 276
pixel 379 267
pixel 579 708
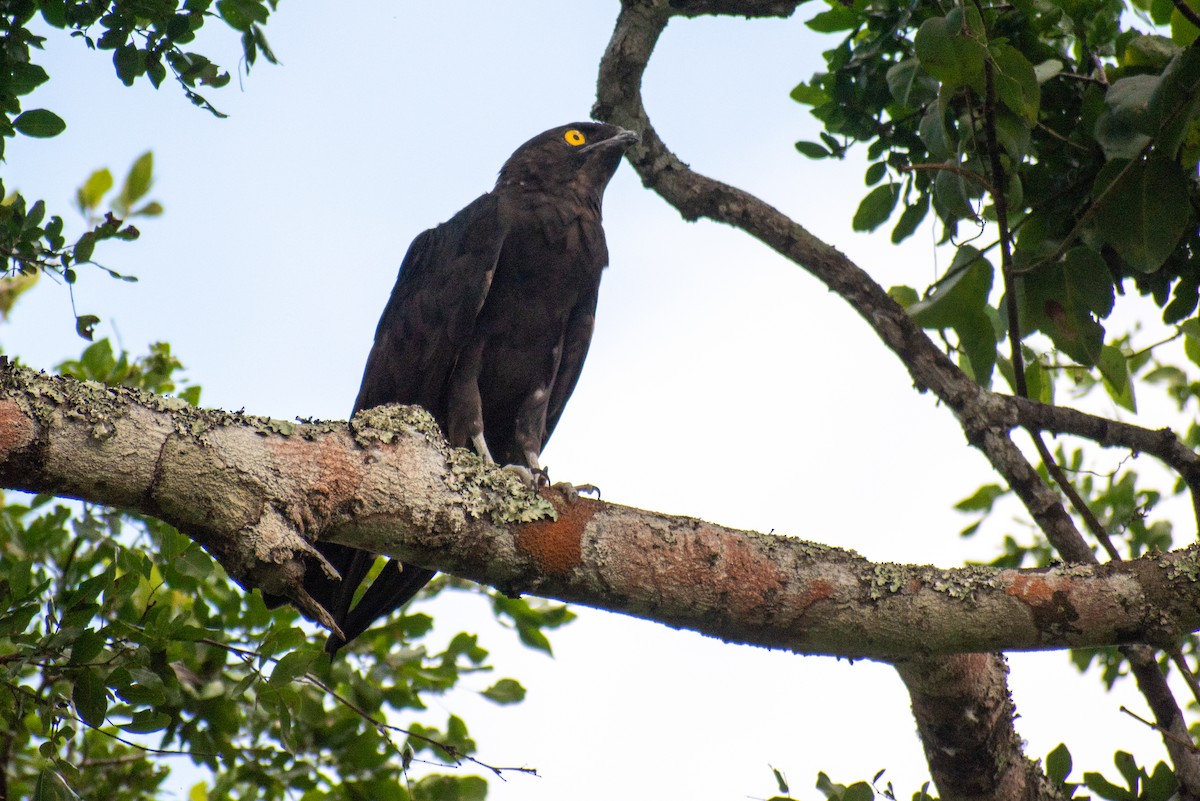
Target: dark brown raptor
pixel 487 328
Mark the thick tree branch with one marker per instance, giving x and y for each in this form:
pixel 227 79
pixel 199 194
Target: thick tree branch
pixel 965 716
pixel 255 492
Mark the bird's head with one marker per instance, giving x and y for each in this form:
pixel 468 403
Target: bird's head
pixel 582 156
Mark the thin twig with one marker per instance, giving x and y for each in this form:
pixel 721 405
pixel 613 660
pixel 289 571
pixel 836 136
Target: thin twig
pixel 1166 735
pixel 1187 12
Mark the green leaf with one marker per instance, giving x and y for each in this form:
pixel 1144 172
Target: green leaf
pixel 241 14
pixel 809 95
pixel 505 691
pixel 1015 81
pixel 1061 302
pixel 952 193
pixel 859 791
pixel 875 173
pixel 1175 102
pixel 293 665
pixel 1150 50
pixel 982 499
pixel 1106 789
pixel 813 150
pixel 90 697
pixel 128 61
pixel 137 182
pixel 959 302
pixel 1123 128
pixel 964 291
pixel 40 123
pixel 910 218
pixel 933 133
pixel 93 191
pixel 51 787
pixel 1087 283
pixel 876 207
pixel 952 48
pixel 910 85
pixel 780 780
pixel 1058 764
pixel 1147 213
pixel 147 720
pixel 1013 133
pixel 85 325
pixel 151 209
pixel 904 295
pixel 24 77
pixel 1129 769
pixel 1183 31
pixel 837 18
pixel 84 247
pixel 1117 381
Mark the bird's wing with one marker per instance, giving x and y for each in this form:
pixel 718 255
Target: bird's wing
pixel 443 281
pixel 441 287
pixel 576 339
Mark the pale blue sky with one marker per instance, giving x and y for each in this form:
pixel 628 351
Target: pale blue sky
pixel 723 382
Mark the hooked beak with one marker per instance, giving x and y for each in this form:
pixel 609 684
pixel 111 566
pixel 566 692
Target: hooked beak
pixel 622 140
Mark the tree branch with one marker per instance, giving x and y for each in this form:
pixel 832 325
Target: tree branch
pixel 965 716
pixel 255 492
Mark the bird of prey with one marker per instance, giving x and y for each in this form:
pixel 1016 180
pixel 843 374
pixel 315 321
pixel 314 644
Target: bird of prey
pixel 487 328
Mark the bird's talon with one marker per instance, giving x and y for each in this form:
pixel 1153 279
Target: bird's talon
pixel 528 477
pixel 570 492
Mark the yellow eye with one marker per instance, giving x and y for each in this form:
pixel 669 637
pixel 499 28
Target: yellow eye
pixel 574 138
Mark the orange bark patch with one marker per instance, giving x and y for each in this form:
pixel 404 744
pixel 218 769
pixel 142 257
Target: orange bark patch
pixel 16 429
pixel 1034 590
pixel 818 590
pixel 326 472
pixel 556 545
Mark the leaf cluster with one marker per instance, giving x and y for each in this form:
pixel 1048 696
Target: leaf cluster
pixel 1057 144
pixel 1097 130
pixel 146 38
pixel 32 245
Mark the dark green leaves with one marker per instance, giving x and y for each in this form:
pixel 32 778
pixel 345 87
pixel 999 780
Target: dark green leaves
pixel 959 302
pixel 1064 300
pixel 39 123
pixel 1144 210
pixel 910 84
pixel 876 207
pixel 1016 83
pixel 90 697
pixel 953 48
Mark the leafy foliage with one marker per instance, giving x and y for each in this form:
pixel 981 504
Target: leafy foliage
pixel 31 246
pixel 146 38
pixel 121 642
pixel 1058 146
pixel 1096 159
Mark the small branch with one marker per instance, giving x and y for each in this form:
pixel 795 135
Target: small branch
pixel 384 726
pixel 954 168
pixel 1187 12
pixel 1151 725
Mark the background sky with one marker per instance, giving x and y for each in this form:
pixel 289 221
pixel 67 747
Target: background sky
pixel 723 382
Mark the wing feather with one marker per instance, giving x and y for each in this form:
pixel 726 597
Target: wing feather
pixel 442 284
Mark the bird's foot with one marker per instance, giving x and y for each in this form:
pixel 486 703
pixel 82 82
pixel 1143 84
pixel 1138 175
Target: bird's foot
pixel 535 478
pixel 571 492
